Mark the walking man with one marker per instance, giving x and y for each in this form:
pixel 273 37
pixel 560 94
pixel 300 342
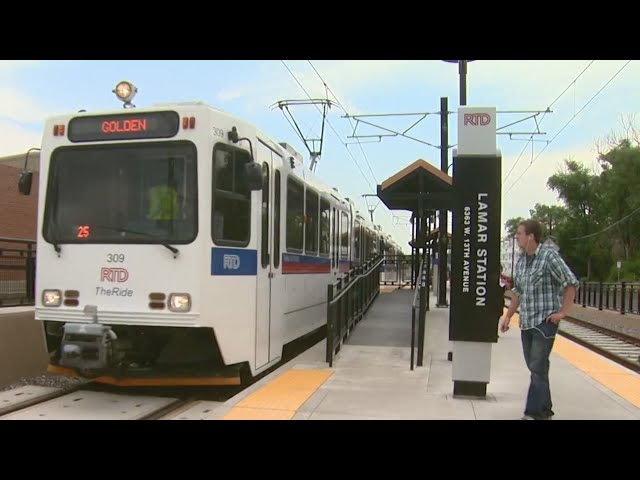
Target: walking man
pixel 544 289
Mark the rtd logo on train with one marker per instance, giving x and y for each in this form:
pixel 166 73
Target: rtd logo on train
pixel 114 275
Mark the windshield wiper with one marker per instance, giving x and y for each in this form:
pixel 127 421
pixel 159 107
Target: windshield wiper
pixel 144 234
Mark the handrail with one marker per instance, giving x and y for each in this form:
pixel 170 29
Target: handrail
pixel 357 290
pixel 422 306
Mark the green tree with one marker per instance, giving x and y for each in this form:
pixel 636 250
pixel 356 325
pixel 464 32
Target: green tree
pixel 511 226
pixel 620 180
pixel 550 216
pixel 580 191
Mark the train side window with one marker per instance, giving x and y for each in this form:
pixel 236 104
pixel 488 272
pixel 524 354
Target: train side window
pixel 276 219
pixel 311 223
pixel 334 238
pixel 295 215
pixel 264 254
pixel 231 203
pixel 356 237
pixel 324 227
pixel 344 235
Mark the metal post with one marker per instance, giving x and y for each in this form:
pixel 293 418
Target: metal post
pixel 624 288
pixel 600 299
pixel 462 69
pixel 413 248
pixel 421 317
pixel 444 212
pixel 421 277
pixel 428 252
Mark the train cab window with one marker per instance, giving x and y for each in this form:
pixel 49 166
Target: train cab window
pixel 295 215
pixel 311 223
pixel 231 205
pixel 324 227
pixel 344 235
pixel 132 193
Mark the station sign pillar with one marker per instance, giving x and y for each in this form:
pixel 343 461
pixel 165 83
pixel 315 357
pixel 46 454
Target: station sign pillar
pixel 476 295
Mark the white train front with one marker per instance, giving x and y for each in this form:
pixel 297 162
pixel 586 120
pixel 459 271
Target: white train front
pixel 179 243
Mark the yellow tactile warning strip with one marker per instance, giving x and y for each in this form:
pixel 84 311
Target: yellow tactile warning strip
pixel 616 378
pixel 281 398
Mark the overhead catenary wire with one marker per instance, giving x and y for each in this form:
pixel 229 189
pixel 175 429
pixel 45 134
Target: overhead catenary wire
pixel 567 124
pixel 330 125
pixel 543 115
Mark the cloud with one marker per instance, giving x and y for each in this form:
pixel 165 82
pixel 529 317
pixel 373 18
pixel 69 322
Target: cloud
pixel 21 107
pixel 16 139
pixel 13 65
pixel 520 84
pixel 231 94
pixel 532 188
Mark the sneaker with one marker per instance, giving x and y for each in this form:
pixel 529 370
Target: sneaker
pixel 527 417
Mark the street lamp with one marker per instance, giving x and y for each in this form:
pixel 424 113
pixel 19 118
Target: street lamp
pixel 462 70
pixel 444 213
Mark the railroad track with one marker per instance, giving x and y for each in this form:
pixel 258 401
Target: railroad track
pixel 622 349
pixel 99 402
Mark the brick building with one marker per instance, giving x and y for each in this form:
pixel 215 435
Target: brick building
pixel 18 213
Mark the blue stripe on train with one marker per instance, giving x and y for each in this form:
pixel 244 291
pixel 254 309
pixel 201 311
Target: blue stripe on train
pixel 293 263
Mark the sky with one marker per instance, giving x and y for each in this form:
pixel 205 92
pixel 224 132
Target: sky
pixel 588 101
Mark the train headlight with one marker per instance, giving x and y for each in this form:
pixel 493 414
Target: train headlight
pixel 125 91
pixel 51 298
pixel 179 302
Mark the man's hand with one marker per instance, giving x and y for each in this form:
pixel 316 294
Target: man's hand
pixel 556 317
pixel 504 324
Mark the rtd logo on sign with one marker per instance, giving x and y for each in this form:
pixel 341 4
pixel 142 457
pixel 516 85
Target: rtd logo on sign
pixel 117 275
pixel 476 119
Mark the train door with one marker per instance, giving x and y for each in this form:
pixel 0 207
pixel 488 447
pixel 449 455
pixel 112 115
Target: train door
pixel 277 280
pixel 268 277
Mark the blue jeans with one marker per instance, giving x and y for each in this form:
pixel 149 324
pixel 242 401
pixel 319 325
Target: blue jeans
pixel 537 343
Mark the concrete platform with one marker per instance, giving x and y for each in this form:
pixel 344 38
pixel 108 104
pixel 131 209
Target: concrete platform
pixel 371 376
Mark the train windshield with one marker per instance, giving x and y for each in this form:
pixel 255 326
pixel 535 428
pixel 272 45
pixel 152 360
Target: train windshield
pixel 133 193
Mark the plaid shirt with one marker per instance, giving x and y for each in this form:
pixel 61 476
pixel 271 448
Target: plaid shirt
pixel 540 282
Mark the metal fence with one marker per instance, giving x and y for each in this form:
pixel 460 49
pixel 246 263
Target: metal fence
pixel 396 270
pixel 348 299
pixel 621 297
pixel 17 271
